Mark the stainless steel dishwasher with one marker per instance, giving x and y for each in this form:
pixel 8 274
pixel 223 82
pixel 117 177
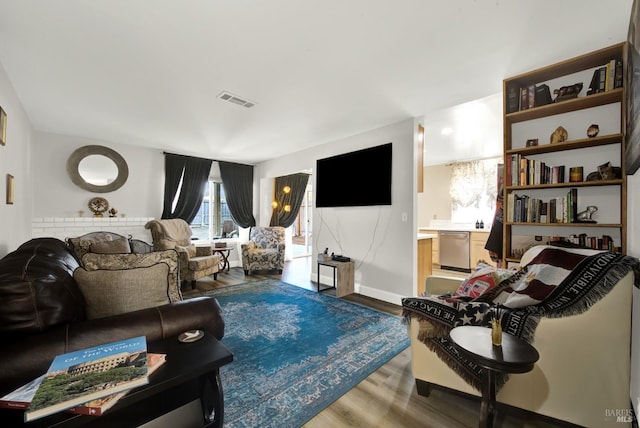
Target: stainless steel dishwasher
pixel 454 250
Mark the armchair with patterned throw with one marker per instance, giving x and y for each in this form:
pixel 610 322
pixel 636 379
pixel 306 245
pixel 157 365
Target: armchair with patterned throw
pixel 195 262
pixel 264 250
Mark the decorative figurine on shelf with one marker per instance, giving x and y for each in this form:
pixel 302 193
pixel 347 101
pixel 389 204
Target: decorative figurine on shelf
pixel 113 212
pixel 585 216
pixel 605 172
pixel 593 130
pixel 532 142
pixel 559 135
pixel 98 206
pixel 567 92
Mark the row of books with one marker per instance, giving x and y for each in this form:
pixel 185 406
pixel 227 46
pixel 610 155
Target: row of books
pixel 606 78
pixel 604 242
pixel 525 209
pixel 107 372
pixel 528 172
pixel 527 97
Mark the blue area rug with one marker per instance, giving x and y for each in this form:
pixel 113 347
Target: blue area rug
pixel 296 351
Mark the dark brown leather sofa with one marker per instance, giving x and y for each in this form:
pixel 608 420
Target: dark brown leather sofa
pixel 42 313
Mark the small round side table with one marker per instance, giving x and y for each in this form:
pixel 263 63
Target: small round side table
pixel 224 252
pixel 514 356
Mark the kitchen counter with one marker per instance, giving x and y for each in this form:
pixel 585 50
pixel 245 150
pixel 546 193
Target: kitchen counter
pixel 427 236
pixel 456 227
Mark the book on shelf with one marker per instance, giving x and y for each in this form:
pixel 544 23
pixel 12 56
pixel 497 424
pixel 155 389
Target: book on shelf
pixel 618 79
pixel 524 98
pixel 543 95
pixel 100 405
pixel 531 96
pixel 513 101
pixel 80 376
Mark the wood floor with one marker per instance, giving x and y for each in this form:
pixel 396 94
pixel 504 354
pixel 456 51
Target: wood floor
pixel 388 397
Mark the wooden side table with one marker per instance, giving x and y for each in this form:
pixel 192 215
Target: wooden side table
pixel 514 356
pixel 345 272
pixel 224 252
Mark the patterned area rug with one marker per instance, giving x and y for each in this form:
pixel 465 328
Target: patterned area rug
pixel 296 351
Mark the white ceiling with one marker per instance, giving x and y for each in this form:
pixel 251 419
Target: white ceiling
pixel 147 72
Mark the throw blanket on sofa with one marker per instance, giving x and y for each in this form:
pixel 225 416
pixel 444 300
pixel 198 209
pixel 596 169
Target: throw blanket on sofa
pixel 556 282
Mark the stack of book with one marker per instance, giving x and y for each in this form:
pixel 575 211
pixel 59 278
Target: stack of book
pixel 88 381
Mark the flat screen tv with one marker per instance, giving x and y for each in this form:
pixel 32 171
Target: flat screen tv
pixel 355 179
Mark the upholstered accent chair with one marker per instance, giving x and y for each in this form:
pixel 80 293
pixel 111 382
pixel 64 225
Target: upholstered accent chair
pixel 264 250
pixel 195 261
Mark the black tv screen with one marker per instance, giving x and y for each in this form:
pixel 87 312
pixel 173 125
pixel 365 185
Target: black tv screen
pixel 359 178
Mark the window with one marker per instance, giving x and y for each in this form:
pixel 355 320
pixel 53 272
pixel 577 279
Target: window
pixel 213 219
pixel 473 190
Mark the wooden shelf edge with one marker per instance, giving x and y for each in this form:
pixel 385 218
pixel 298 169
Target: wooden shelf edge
pixel 581 143
pixel 616 182
pixel 608 225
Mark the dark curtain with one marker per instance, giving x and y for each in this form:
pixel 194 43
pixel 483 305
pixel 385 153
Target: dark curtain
pixel 298 185
pixel 195 175
pixel 173 167
pixel 237 180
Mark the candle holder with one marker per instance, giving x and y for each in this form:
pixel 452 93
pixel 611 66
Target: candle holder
pixel 496 328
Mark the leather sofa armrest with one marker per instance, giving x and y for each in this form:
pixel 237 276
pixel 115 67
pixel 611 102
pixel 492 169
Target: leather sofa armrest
pixel 26 359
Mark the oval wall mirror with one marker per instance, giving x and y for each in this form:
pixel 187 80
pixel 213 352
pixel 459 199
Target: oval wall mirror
pixel 97 169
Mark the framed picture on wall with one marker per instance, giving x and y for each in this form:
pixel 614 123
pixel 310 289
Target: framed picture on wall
pixel 3 127
pixel 10 189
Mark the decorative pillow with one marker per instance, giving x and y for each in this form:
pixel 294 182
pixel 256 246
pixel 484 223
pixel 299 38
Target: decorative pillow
pixel 93 262
pixel 118 246
pixel 82 245
pixel 483 278
pixel 112 292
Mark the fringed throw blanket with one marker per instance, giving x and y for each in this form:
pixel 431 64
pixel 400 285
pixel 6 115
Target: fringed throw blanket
pixel 557 282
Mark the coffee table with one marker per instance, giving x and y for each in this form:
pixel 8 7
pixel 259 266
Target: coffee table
pixel 191 371
pixel 514 356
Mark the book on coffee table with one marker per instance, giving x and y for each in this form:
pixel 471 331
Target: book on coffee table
pixel 77 377
pixel 100 405
pixel 21 397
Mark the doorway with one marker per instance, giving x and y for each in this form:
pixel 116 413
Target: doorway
pixel 302 227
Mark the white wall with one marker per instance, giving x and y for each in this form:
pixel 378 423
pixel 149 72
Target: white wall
pixel 435 202
pixel 15 156
pixel 376 238
pixel 57 196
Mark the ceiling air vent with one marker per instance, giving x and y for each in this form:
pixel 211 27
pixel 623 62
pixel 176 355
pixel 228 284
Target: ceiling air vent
pixel 227 96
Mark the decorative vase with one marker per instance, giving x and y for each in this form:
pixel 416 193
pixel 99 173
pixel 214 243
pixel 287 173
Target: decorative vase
pixel 496 332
